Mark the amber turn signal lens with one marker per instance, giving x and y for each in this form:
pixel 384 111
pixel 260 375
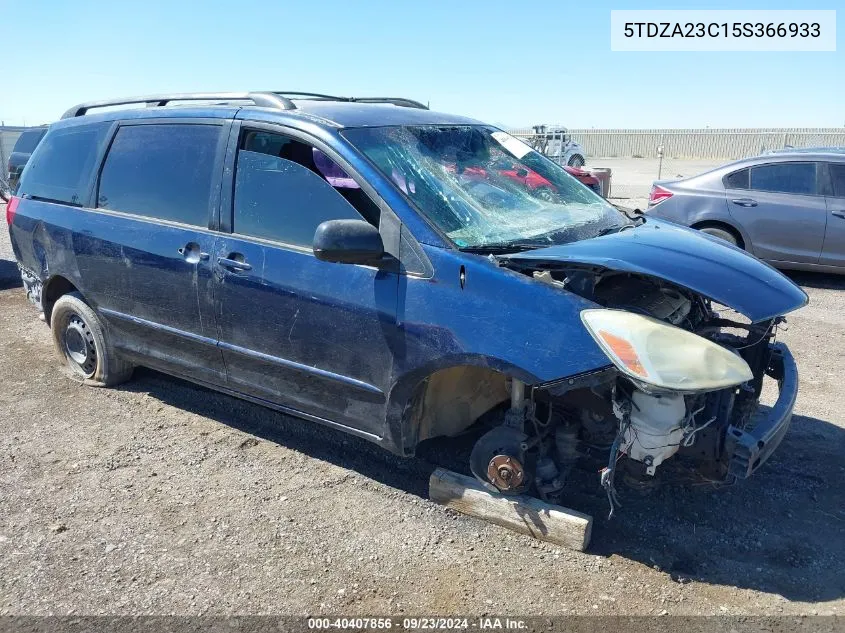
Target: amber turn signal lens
pixel 625 352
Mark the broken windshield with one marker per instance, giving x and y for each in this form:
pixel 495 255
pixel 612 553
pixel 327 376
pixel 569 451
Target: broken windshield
pixel 483 187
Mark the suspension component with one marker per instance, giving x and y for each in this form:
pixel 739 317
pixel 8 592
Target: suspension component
pixel 506 473
pixel 498 460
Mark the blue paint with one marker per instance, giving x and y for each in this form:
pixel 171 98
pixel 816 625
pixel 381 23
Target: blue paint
pixel 340 343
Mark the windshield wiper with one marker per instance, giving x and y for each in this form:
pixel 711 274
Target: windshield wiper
pixel 502 247
pixel 631 214
pixel 617 229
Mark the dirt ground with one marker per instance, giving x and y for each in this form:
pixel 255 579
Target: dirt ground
pixel 162 497
pixel 631 178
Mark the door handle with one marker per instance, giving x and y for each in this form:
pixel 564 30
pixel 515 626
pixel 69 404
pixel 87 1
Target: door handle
pixel 744 202
pixel 192 253
pixel 839 213
pixel 233 264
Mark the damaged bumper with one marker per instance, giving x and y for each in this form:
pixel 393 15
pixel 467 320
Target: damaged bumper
pixel 32 285
pixel 748 449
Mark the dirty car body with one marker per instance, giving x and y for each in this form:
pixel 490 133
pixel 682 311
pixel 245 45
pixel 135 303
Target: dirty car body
pixel 414 299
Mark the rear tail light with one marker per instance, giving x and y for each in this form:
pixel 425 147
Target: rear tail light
pixel 658 194
pixel 11 207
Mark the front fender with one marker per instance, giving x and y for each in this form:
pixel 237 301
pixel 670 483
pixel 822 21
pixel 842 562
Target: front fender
pixel 496 318
pixel 473 307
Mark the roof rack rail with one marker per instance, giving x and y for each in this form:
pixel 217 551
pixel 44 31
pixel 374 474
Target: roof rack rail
pixel 278 99
pixel 399 101
pixel 264 99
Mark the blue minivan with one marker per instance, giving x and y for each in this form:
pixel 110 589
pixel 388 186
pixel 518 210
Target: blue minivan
pixel 386 270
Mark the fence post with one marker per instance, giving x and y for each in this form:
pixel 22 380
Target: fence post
pixel 3 163
pixel 660 149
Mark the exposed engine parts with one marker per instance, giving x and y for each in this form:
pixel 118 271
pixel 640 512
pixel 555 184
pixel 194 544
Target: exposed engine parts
pixel 614 418
pixel 643 296
pixel 655 430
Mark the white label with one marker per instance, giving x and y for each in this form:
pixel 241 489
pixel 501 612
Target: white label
pixel 728 30
pixel 512 144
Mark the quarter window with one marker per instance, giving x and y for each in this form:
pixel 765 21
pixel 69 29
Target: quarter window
pixel 61 166
pixel 161 171
pixel 737 180
pixel 785 178
pixel 285 188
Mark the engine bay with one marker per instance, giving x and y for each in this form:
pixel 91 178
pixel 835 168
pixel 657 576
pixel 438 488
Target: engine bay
pixel 636 425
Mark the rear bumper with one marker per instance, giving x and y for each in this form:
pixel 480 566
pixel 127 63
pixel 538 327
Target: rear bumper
pixel 748 450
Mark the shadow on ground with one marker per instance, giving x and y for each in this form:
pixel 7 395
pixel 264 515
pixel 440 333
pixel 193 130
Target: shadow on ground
pixel 10 276
pixel 816 280
pixel 782 531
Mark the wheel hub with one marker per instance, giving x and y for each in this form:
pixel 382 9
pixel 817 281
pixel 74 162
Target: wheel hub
pixel 505 472
pixel 79 345
pixel 498 460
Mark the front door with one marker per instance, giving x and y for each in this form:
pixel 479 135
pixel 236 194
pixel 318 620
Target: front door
pixel 783 211
pixel 305 334
pixel 155 199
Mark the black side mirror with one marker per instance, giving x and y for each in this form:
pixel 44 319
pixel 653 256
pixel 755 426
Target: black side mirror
pixel 348 242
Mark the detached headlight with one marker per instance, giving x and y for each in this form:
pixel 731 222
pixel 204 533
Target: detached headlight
pixel 650 351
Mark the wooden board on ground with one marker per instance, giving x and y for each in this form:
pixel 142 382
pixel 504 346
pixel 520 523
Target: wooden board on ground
pixel 520 513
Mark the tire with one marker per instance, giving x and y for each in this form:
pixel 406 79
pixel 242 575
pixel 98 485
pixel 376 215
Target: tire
pixel 723 233
pixel 576 161
pixel 81 341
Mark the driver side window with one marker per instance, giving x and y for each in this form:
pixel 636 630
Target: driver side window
pixel 284 189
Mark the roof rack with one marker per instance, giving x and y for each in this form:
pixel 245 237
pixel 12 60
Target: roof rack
pixel 265 99
pixel 399 101
pixel 278 99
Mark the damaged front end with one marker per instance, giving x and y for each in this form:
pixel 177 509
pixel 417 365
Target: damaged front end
pixel 684 382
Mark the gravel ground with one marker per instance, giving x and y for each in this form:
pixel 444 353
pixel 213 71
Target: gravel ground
pixel 162 497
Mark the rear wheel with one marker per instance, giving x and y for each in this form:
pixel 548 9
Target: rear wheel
pixel 722 232
pixel 576 161
pixel 82 342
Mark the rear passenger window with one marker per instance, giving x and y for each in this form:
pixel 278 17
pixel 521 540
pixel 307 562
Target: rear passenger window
pixel 285 188
pixel 61 166
pixel 161 171
pixel 837 175
pixel 785 178
pixel 737 180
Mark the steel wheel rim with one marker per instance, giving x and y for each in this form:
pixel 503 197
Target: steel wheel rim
pixel 79 346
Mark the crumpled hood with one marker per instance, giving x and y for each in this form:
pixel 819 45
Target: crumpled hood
pixel 684 257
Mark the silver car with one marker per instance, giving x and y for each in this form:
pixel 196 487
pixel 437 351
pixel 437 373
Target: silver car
pixel 787 208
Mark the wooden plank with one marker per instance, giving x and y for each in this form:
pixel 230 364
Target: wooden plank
pixel 519 513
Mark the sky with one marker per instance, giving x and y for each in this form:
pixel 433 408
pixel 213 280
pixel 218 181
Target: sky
pixel 511 63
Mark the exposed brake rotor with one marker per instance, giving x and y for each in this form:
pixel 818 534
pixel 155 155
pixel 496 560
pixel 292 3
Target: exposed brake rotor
pixel 498 460
pixel 505 472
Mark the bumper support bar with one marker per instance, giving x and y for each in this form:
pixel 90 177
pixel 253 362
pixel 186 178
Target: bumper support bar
pixel 748 450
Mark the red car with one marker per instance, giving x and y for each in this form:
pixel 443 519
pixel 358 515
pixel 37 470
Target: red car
pixel 534 181
pixel 585 177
